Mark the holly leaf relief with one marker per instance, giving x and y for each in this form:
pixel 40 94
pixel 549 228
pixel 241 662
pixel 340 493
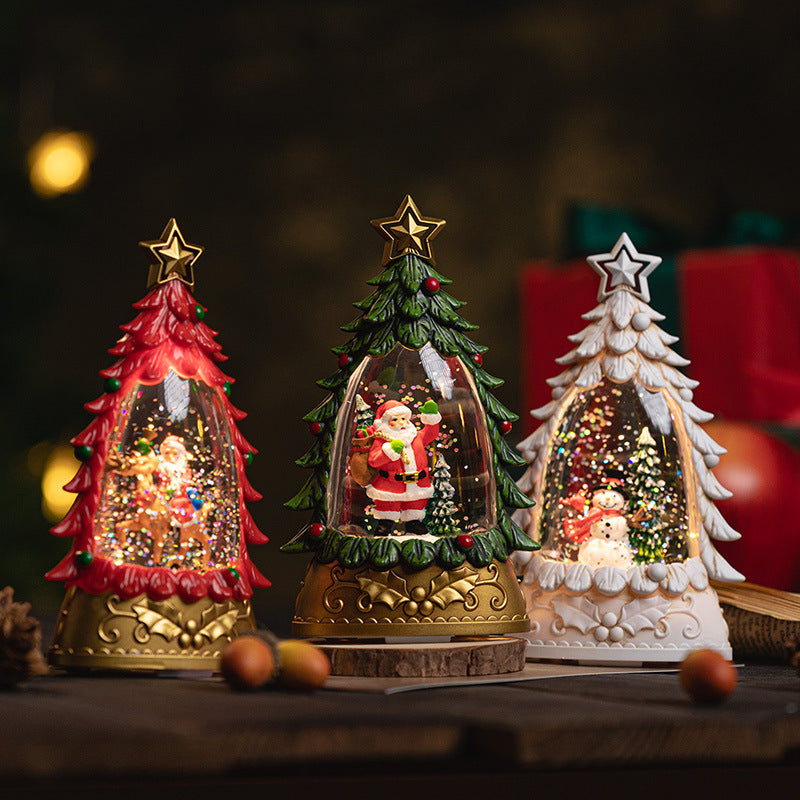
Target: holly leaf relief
pixel 156 622
pixel 384 587
pixel 577 612
pixel 221 626
pixel 453 586
pixel 642 614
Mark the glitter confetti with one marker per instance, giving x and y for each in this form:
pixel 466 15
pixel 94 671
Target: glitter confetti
pixel 168 495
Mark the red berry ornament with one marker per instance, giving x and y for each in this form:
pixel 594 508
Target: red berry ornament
pixel 478 359
pixel 343 360
pixel 506 425
pixel 316 530
pixel 465 541
pixel 315 427
pixel 431 285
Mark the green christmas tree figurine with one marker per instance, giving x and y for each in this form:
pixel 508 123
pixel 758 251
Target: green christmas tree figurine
pixel 389 546
pixel 649 539
pixel 442 509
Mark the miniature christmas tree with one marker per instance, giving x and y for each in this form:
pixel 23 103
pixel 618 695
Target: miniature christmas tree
pixel 160 525
pixel 649 541
pixel 620 470
pixel 365 416
pixel 371 494
pixel 442 510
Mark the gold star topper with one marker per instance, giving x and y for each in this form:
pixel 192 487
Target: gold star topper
pixel 172 257
pixel 408 232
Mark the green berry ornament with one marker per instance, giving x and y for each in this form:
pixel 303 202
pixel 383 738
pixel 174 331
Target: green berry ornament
pixel 83 452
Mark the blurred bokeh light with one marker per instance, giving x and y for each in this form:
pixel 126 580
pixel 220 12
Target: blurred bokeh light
pixel 59 468
pixel 60 162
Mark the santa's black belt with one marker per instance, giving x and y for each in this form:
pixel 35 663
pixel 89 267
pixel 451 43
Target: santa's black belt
pixel 404 477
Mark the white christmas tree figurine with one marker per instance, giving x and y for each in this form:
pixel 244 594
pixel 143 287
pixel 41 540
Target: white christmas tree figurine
pixel 620 472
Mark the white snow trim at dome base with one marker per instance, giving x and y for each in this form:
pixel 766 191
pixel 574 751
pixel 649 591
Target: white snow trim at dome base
pixel 654 613
pixel 604 654
pixel 643 579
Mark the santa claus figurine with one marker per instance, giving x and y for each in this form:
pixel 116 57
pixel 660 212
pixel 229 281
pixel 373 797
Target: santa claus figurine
pixel 402 485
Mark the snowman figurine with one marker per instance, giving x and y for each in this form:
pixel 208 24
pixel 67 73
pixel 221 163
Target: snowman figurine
pixel 602 531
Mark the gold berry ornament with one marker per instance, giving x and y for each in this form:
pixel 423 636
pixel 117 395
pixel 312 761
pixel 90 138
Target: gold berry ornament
pixel 303 666
pixel 247 662
pixel 706 676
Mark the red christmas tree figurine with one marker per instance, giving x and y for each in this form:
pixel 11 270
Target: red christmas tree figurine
pixel 160 527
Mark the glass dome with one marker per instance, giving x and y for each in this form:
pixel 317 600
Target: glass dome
pixel 615 487
pixel 170 492
pixel 403 465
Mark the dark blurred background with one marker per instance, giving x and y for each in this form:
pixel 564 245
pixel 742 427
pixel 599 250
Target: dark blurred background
pixel 274 132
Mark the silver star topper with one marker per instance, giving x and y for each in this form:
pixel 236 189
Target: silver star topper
pixel 624 268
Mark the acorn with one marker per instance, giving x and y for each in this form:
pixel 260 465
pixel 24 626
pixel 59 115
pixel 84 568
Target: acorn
pixel 303 666
pixel 253 661
pixel 248 662
pixel 707 676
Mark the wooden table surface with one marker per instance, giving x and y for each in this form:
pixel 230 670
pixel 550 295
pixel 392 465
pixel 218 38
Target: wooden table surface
pixel 160 736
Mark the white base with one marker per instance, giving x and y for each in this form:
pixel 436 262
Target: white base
pixel 653 614
pixel 610 656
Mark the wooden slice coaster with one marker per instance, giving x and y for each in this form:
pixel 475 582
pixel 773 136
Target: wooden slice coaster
pixel 456 658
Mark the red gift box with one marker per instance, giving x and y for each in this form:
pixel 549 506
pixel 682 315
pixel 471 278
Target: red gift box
pixel 739 326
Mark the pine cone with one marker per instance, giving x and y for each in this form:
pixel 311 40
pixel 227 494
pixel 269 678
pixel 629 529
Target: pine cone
pixel 21 655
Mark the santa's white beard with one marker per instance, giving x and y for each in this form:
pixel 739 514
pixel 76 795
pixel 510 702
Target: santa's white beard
pixel 175 475
pixel 406 434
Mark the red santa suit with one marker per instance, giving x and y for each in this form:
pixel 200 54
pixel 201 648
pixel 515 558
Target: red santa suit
pixel 174 478
pixel 402 487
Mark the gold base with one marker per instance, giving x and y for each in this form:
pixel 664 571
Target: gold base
pixel 364 603
pixel 108 633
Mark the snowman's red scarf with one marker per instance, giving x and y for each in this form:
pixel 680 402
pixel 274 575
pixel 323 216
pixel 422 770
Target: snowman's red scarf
pixel 578 529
